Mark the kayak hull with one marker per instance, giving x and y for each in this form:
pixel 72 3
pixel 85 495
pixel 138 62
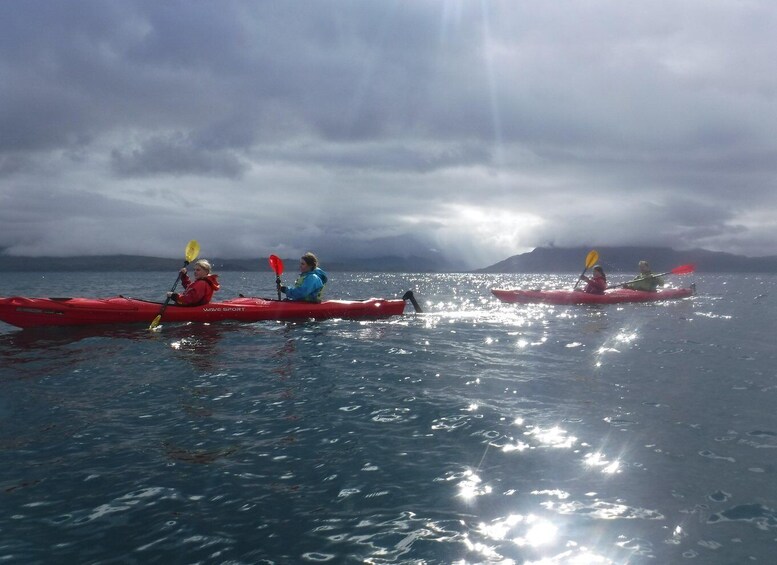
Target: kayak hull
pixel 39 312
pixel 612 296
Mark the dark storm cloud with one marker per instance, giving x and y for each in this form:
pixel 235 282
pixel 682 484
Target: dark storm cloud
pixel 479 128
pixel 174 155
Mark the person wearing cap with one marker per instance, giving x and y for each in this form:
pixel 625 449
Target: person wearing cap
pixel 310 284
pixel 201 289
pixel 597 284
pixel 645 280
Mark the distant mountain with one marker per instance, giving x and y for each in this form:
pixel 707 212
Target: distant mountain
pixel 625 259
pixel 127 263
pixel 541 260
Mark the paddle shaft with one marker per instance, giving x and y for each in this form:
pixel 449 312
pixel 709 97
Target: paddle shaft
pixel 652 276
pixel 581 276
pixel 191 253
pixel 167 300
pixel 590 260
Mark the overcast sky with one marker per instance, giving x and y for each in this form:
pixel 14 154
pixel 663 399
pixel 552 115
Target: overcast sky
pixel 475 129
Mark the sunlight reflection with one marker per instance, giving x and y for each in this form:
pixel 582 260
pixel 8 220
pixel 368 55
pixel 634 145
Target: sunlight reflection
pixel 711 315
pixel 597 460
pixel 583 557
pixel 560 494
pixel 612 468
pixel 518 446
pixel 470 487
pixel 602 510
pixel 538 530
pixel 553 437
pixel 480 548
pixel 499 529
pixel 623 336
pixel 677 536
pixel 186 343
pixel 540 533
pixel 626 337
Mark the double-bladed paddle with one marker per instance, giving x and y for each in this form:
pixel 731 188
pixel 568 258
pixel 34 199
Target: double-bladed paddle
pixel 590 261
pixel 681 270
pixel 192 250
pixel 276 264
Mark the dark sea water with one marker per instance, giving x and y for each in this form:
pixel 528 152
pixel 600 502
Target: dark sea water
pixel 477 432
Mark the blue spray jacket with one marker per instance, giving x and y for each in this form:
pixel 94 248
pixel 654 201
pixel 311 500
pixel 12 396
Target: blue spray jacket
pixel 309 286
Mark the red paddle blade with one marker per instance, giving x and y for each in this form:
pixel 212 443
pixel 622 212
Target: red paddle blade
pixel 276 264
pixel 683 269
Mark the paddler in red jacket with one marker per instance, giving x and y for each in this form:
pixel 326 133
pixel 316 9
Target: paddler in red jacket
pixel 199 291
pixel 596 284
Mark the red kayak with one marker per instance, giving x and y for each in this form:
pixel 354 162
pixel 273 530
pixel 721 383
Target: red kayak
pixel 35 312
pixel 613 296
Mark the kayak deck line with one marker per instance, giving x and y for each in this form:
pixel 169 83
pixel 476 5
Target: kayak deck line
pixel 25 312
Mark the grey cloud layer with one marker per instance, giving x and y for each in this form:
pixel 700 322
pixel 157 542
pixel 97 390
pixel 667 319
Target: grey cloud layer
pixel 352 125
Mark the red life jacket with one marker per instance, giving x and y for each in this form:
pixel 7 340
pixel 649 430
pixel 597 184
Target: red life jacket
pixel 198 292
pixel 596 284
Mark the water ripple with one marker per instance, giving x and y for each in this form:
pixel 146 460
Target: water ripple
pixel 476 432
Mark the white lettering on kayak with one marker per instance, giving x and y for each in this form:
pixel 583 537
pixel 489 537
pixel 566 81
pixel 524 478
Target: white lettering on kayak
pixel 232 309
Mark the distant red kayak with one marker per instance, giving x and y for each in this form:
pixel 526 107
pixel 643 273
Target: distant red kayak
pixel 34 312
pixel 613 296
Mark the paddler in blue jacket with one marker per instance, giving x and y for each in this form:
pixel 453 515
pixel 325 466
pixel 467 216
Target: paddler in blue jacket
pixel 310 284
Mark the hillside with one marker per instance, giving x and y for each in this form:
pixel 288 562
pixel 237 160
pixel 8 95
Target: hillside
pixel 625 259
pixel 540 260
pixel 128 263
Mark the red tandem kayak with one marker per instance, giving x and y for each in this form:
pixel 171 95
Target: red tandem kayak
pixel 36 312
pixel 613 296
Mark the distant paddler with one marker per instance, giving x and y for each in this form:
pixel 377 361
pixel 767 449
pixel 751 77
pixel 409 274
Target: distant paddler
pixel 645 280
pixel 646 277
pixel 597 283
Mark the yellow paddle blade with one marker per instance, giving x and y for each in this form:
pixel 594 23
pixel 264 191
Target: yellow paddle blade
pixel 192 250
pixel 155 322
pixel 591 259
